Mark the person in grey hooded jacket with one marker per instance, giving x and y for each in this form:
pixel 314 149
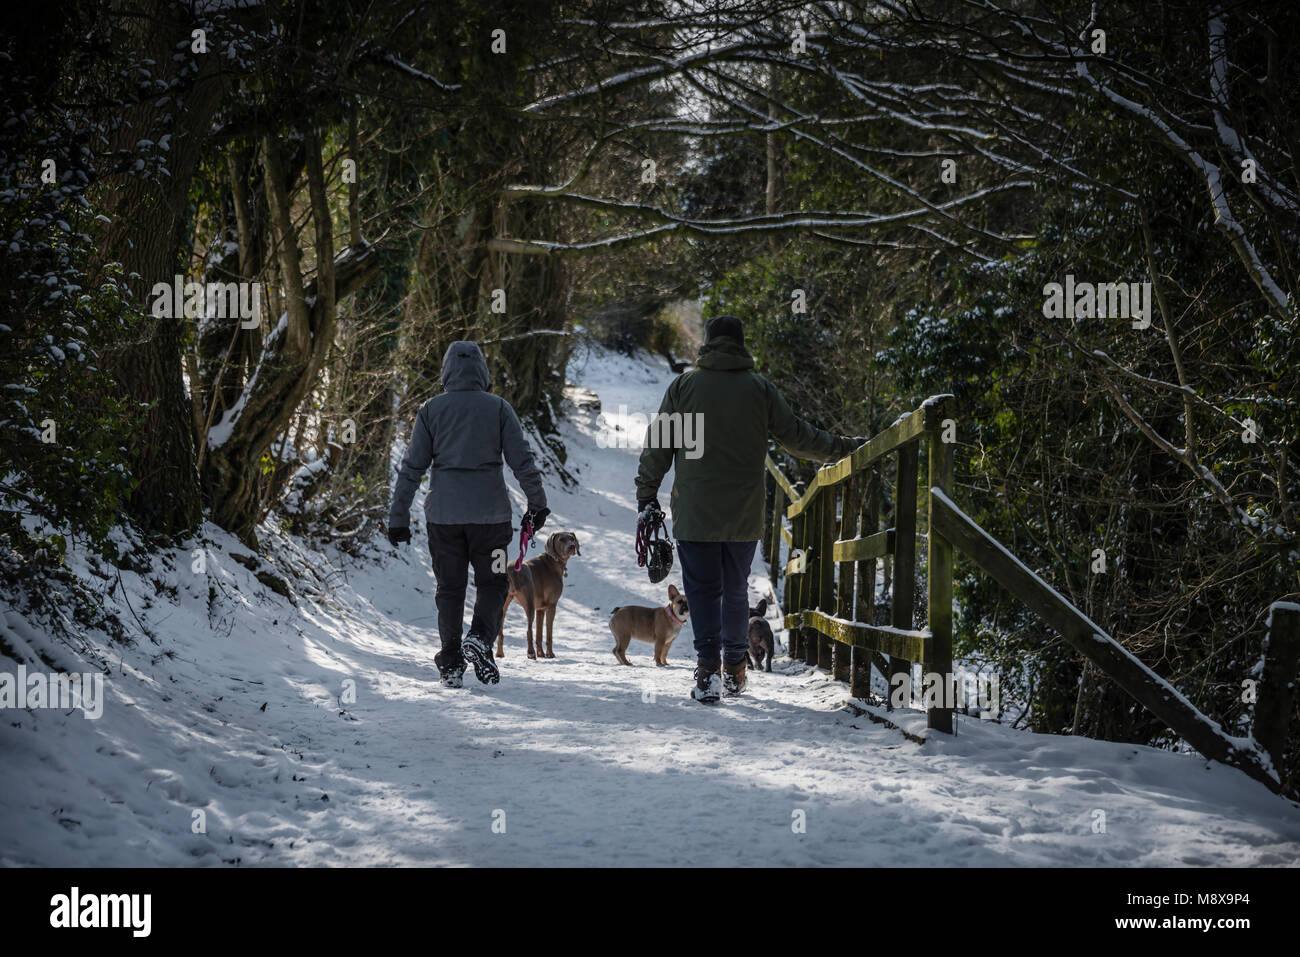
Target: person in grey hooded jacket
pixel 459 438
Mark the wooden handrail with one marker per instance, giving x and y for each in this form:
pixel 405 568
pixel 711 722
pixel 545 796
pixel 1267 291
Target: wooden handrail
pixel 869 546
pixel 818 608
pixel 910 643
pixel 783 483
pixel 909 428
pixel 851 541
pixel 1152 691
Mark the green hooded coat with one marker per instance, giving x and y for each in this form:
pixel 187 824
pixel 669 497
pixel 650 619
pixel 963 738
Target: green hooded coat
pixel 718 487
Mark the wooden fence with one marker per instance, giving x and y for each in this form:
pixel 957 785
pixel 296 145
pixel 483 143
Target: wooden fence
pixel 835 539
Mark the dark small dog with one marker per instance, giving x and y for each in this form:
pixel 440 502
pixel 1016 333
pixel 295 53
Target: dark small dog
pixel 761 642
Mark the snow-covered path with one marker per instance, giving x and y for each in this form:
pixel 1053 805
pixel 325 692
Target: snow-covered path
pixel 574 760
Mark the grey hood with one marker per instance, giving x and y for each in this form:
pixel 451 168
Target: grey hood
pixel 464 368
pixel 459 439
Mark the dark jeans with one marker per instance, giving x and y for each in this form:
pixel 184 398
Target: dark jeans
pixel 715 577
pixel 454 548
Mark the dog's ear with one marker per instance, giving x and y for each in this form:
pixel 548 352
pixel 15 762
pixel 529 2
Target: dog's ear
pixel 762 608
pixel 577 549
pixel 672 592
pixel 553 545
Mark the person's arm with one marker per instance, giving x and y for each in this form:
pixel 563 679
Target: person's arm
pixel 801 438
pixel 655 462
pixel 519 456
pixel 419 453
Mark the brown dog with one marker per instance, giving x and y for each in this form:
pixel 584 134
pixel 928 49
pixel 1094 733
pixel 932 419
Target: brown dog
pixel 658 625
pixel 537 587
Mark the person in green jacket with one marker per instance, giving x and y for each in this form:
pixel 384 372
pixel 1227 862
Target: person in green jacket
pixel 727 410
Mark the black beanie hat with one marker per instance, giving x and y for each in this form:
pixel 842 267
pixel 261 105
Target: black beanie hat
pixel 725 326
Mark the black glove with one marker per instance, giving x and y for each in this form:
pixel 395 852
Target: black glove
pixel 396 536
pixel 536 518
pixel 644 503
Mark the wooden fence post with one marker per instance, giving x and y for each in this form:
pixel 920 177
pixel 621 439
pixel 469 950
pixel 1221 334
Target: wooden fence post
pixel 774 544
pixel 849 510
pixel 1276 697
pixel 794 588
pixel 826 574
pixel 939 588
pixel 904 553
pixel 865 590
pixel 765 536
pixel 812 577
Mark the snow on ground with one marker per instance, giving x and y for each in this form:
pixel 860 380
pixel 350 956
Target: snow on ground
pixel 237 711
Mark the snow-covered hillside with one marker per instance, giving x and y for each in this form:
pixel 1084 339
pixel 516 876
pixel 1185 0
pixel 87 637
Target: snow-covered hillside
pixel 241 709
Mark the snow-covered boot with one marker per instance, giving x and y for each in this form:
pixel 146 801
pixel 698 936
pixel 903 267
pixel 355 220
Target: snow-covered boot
pixel 479 657
pixel 708 686
pixel 451 668
pixel 733 678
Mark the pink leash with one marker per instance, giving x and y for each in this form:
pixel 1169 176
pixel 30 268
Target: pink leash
pixel 525 539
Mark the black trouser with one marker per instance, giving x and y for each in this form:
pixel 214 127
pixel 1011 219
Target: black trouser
pixel 454 548
pixel 715 577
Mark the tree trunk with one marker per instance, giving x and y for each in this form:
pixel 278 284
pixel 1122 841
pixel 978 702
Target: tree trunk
pixel 146 235
pixel 291 362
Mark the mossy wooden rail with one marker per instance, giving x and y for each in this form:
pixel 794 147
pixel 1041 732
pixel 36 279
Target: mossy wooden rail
pixel 835 540
pixel 834 544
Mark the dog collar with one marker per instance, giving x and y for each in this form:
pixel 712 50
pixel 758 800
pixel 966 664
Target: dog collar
pixel 669 608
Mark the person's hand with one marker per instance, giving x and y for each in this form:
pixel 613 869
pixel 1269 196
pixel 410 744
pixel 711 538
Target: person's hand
pixel 649 516
pixel 397 536
pixel 536 518
pixel 856 443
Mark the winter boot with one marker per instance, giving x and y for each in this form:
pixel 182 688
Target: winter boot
pixel 451 668
pixel 479 657
pixel 733 678
pixel 708 686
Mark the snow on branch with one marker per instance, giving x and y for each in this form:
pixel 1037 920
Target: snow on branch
pixel 1277 194
pixel 420 75
pixel 1223 215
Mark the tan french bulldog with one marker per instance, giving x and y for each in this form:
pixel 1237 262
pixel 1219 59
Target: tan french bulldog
pixel 658 625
